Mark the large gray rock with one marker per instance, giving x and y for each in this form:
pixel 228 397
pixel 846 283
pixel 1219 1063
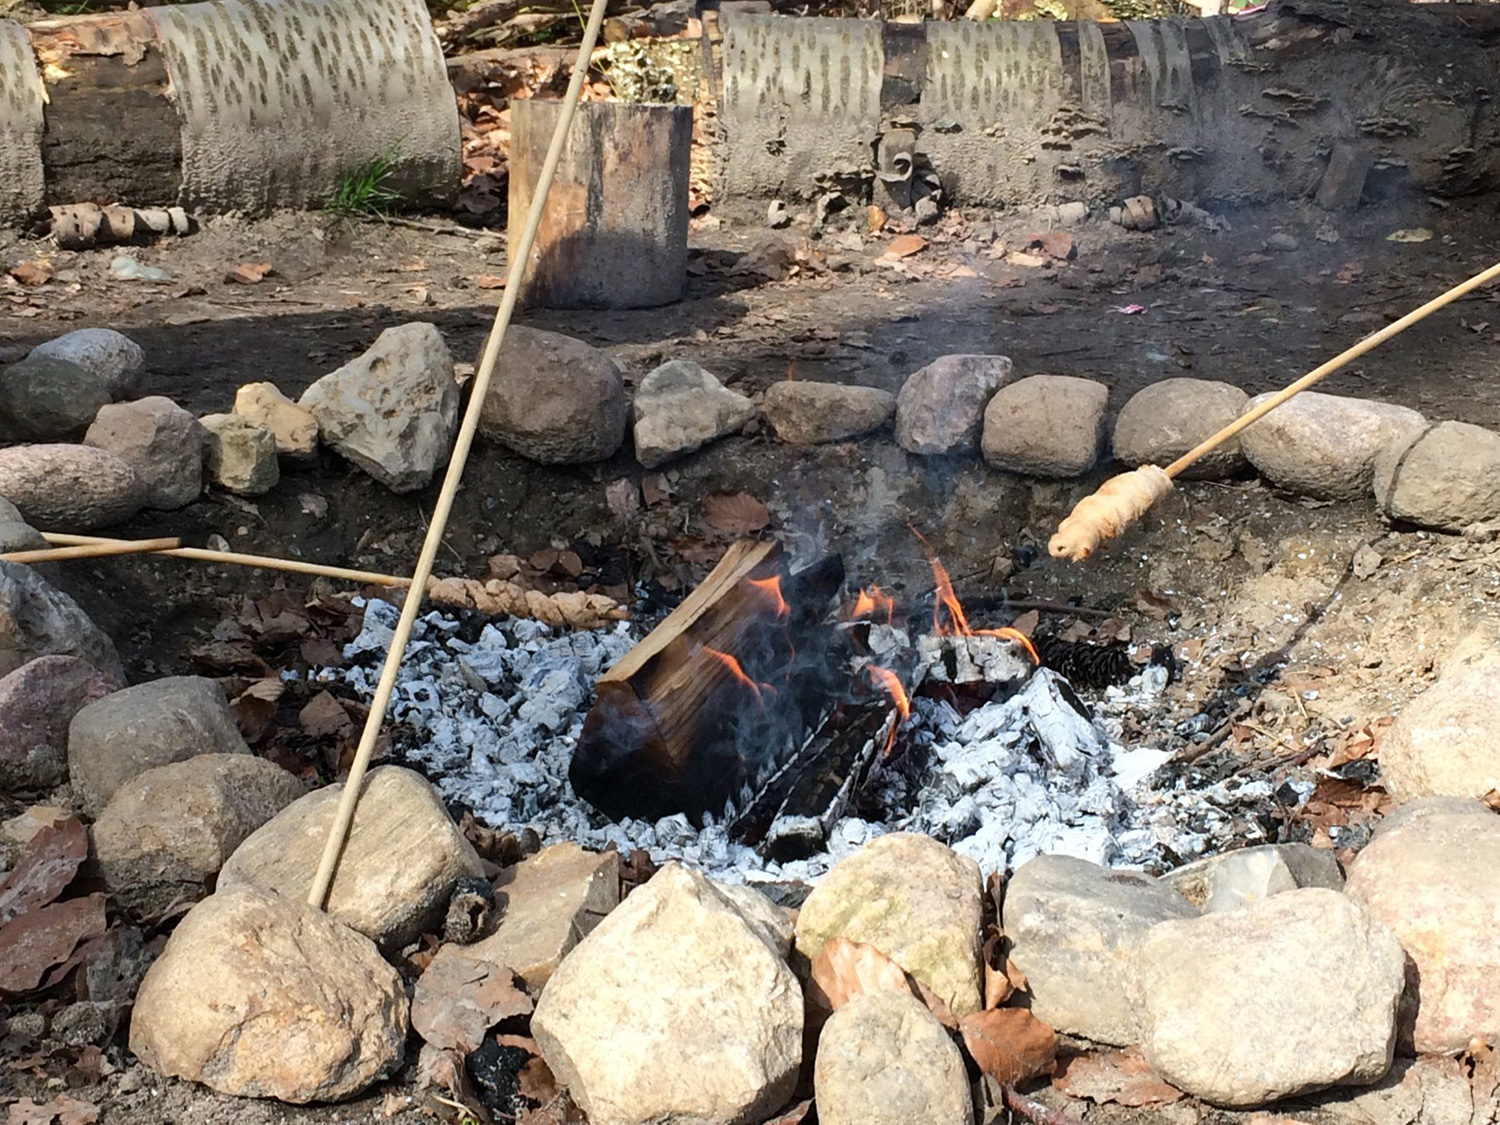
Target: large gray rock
pixel 15 533
pixel 818 413
pixel 547 903
pixel 1432 874
pixel 241 456
pixel 940 408
pixel 161 441
pixel 1324 446
pixel 398 867
pixel 554 399
pixel 265 997
pixel 1238 878
pixel 36 619
pixel 48 400
pixel 1444 742
pixel 680 407
pixel 884 1059
pixel 1446 477
pixel 1294 993
pixel 674 1010
pixel 69 487
pixel 1074 928
pixel 121 736
pixel 109 354
pixel 1046 426
pixel 166 833
pixel 394 410
pixel 1163 421
pixel 37 702
pixel 917 901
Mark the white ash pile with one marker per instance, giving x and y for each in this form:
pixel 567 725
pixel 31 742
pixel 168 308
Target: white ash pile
pixel 493 718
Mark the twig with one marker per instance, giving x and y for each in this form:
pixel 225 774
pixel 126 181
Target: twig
pixel 435 228
pixel 265 562
pixel 1033 1110
pixel 97 550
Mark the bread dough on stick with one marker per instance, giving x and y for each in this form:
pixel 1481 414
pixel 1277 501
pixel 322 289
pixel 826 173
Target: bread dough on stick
pixel 1104 514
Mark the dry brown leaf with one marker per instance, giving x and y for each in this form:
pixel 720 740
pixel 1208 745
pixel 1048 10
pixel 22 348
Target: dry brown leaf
pixel 490 281
pixel 324 716
pixel 1056 244
pixel 47 865
pixel 62 1109
pixel 1009 1044
pixel 1025 260
pixel 997 986
pixel 249 273
pixel 1016 977
pixel 905 245
pixel 535 1081
pixel 794 1116
pixel 1027 622
pixel 935 1003
pixel 876 217
pixel 1122 1077
pixel 458 999
pixel 844 969
pixel 45 936
pixel 36 272
pixel 735 512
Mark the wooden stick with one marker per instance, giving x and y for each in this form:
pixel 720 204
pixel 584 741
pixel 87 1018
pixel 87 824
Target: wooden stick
pixel 1123 499
pixel 265 562
pixel 94 550
pixel 519 255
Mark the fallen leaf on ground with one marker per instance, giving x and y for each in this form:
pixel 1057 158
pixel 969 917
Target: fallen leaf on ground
pixel 905 245
pixel 735 512
pixel 1410 234
pixel 1025 260
pixel 535 1081
pixel 44 868
pixel 997 986
pixel 62 1109
pixel 844 969
pixel 324 716
pixel 35 272
pixel 1056 244
pixel 44 936
pixel 248 273
pixel 1122 1077
pixel 794 1116
pixel 490 281
pixel 459 999
pixel 1009 1044
pixel 876 217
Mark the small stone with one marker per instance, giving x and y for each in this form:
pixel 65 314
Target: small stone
pixel 555 400
pixel 548 903
pixel 1238 878
pixel 714 1015
pixel 884 1059
pixel 940 408
pixel 161 441
pixel 914 899
pixel 37 702
pixel 403 856
pixel 69 487
pixel 1046 426
pixel 1443 742
pixel 393 411
pixel 1281 242
pixel 265 997
pixel 112 355
pixel 1165 420
pixel 1432 874
pixel 818 413
pixel 83 1023
pixel 48 400
pixel 295 427
pixel 37 619
pixel 1425 1091
pixel 1343 180
pixel 166 833
pixel 121 736
pixel 15 533
pixel 1074 928
pixel 1446 477
pixel 1294 993
pixel 241 455
pixel 680 407
pixel 1324 446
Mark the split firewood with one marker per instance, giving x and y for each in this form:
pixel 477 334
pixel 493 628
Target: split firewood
pixel 80 226
pixel 498 598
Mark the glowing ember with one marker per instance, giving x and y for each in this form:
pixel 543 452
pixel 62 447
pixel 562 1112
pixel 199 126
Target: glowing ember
pixel 738 673
pixel 871 601
pixel 770 589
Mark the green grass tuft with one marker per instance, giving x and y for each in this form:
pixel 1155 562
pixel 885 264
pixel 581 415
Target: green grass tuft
pixel 365 192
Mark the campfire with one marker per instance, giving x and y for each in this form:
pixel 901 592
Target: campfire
pixel 772 722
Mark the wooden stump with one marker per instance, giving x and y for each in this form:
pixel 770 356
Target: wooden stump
pixel 614 232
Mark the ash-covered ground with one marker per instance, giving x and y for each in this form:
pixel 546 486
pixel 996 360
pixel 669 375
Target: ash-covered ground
pixel 494 720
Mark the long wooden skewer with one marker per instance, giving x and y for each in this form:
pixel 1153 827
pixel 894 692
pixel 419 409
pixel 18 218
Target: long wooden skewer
pixel 265 562
pixel 1123 499
pixel 92 549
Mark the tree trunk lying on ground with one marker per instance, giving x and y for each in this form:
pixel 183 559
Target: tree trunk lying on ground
pixel 220 106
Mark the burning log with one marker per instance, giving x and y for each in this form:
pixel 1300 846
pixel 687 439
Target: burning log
pixel 707 703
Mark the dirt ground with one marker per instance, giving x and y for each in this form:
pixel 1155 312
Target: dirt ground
pixel 1291 647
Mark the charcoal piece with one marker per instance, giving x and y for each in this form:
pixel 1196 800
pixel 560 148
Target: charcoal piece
pixel 469 910
pixel 495 1072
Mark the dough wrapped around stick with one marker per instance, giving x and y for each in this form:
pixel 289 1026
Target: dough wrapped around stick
pixel 1104 514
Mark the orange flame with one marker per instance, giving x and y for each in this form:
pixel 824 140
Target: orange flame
pixel 873 600
pixel 892 683
pixel 735 670
pixel 959 626
pixel 771 589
